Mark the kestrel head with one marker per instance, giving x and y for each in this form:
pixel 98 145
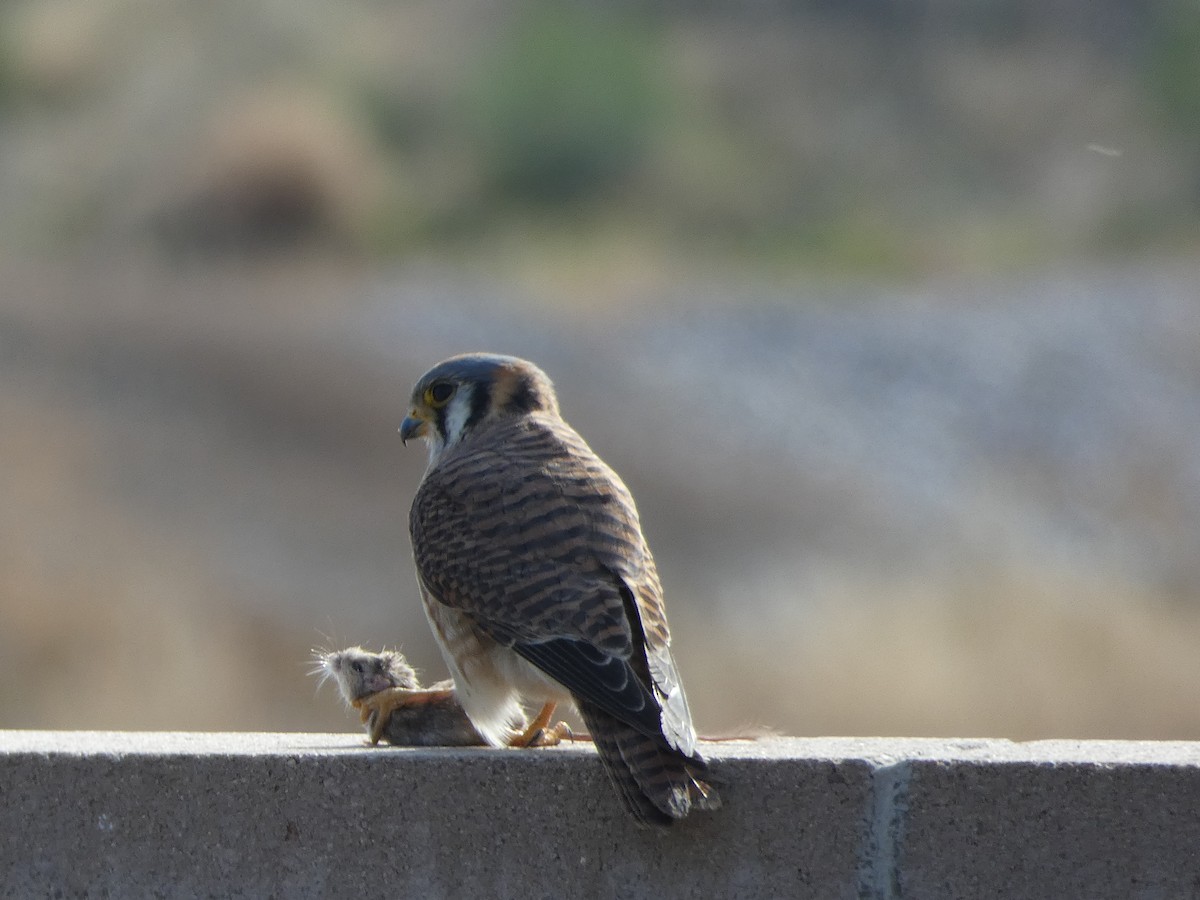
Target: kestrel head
pixel 461 393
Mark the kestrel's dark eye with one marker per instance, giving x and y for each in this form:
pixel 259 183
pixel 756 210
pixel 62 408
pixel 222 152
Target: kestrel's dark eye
pixel 440 393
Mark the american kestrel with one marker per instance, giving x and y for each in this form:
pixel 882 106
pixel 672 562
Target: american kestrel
pixel 539 585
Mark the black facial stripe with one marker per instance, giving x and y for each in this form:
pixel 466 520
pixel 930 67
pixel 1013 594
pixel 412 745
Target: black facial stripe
pixel 481 398
pixel 523 398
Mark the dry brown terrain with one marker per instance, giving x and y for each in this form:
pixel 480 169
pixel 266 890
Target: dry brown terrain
pixel 887 314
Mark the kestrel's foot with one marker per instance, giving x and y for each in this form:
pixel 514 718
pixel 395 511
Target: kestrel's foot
pixel 531 735
pixel 383 703
pixel 553 735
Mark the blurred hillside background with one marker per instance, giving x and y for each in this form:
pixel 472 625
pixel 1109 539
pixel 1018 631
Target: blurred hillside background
pixel 888 312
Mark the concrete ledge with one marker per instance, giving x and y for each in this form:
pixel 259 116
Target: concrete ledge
pixel 314 815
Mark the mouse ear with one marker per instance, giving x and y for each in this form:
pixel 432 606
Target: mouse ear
pixel 399 669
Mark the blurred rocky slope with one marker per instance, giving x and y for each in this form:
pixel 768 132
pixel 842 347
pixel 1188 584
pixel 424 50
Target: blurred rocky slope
pixel 847 489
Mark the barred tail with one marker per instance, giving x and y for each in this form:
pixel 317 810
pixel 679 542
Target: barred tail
pixel 657 783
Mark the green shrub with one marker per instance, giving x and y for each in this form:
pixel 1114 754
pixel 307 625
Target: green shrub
pixel 565 104
pixel 1173 64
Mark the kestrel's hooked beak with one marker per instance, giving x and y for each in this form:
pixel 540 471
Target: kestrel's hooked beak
pixel 414 426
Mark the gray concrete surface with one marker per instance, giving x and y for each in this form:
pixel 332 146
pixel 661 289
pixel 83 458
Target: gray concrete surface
pixel 316 815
